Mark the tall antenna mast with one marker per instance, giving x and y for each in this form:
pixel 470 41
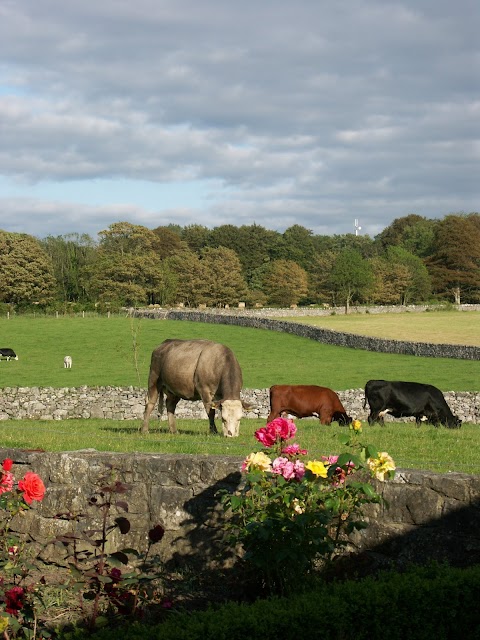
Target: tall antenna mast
pixel 357 227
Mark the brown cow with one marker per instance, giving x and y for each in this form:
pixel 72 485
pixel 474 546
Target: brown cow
pixel 304 400
pixel 196 370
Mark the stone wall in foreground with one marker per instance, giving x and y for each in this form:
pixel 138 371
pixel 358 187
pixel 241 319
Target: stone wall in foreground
pixel 429 515
pixel 128 403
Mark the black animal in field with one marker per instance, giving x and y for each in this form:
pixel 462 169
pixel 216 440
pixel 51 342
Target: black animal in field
pixel 8 354
pixel 400 399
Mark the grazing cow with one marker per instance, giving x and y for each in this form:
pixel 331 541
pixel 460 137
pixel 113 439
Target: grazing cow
pixel 67 362
pixel 196 370
pixel 423 401
pixel 303 400
pixel 8 354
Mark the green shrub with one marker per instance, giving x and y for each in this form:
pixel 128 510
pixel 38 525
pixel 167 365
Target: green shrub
pixel 429 603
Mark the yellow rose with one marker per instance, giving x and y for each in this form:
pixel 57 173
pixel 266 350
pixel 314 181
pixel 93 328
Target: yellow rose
pixel 258 460
pixel 356 426
pixel 381 466
pixel 3 624
pixel 317 468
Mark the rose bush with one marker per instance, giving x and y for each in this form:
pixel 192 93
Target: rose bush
pixel 17 597
pixel 291 511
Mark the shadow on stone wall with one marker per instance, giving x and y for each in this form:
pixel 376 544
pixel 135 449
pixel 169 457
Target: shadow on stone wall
pixel 400 533
pixel 204 545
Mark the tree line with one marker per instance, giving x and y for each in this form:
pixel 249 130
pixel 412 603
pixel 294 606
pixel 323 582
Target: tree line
pixel 413 260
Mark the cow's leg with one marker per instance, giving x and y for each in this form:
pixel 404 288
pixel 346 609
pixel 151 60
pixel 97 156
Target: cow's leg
pixel 210 409
pixel 324 415
pixel 153 394
pixel 171 404
pixel 376 416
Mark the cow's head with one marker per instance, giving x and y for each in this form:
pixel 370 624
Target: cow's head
pixel 341 418
pixel 232 413
pixel 454 422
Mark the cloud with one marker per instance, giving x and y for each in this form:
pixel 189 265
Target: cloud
pixel 311 113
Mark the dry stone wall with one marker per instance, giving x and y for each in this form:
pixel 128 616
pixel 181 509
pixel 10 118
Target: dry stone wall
pixel 429 515
pixel 128 403
pixel 326 336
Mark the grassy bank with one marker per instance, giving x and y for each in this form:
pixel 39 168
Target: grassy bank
pixel 426 447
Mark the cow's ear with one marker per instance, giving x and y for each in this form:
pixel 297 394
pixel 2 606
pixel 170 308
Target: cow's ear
pixel 247 405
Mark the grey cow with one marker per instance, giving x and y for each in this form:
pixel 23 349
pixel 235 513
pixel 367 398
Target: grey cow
pixel 196 370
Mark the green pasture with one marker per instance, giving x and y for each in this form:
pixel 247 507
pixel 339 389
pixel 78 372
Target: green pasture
pixel 447 327
pixel 425 447
pixel 116 351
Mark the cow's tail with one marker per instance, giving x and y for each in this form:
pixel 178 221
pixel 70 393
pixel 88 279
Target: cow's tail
pixel 365 402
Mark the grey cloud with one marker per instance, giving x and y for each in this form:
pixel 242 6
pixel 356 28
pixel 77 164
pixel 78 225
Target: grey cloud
pixel 310 112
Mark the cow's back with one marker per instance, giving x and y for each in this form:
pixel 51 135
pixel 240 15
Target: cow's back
pixel 186 366
pixel 303 400
pixel 219 368
pixel 175 362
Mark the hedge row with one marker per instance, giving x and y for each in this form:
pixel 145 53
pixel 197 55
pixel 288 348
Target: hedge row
pixel 424 603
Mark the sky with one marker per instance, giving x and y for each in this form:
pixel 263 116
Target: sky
pixel 269 112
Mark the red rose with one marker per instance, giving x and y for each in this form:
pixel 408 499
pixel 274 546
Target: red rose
pixel 32 487
pixel 14 600
pixel 7 464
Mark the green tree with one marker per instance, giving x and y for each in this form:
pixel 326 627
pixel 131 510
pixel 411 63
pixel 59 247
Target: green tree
pixel 455 263
pixel 351 277
pixel 70 254
pixel 364 245
pixel 126 269
pixel 390 279
pixel 285 283
pixel 298 245
pixel 26 271
pixel 413 232
pixel 170 242
pixel 418 286
pixel 124 238
pixel 224 282
pixel 319 289
pixel 256 247
pixel 197 237
pixel 190 276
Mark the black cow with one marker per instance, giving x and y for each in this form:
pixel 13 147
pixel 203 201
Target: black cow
pixel 8 354
pixel 423 401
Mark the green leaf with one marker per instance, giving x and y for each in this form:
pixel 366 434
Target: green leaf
pixel 371 451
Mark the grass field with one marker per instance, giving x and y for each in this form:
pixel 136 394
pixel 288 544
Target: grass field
pixel 425 447
pixel 444 327
pixel 116 351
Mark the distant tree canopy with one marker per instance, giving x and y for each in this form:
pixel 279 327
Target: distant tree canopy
pixel 411 260
pixel 455 260
pixel 26 271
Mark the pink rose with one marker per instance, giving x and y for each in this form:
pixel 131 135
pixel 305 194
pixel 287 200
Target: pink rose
pixel 294 450
pixel 285 429
pixel 32 487
pixel 288 469
pixel 283 467
pixel 299 469
pixel 265 437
